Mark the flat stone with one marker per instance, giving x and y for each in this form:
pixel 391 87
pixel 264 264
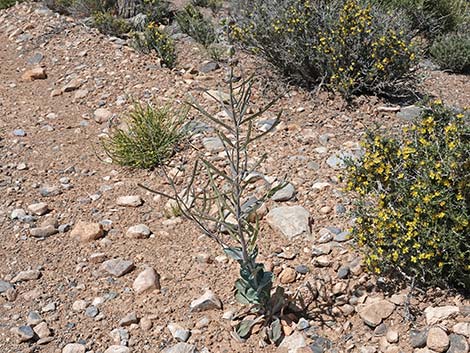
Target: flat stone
pixel 129 201
pixel 74 348
pixel 92 311
pixel 43 232
pixel 139 231
pixel 410 112
pixel 102 115
pixel 288 275
pixel 117 349
pixel 436 314
pixel 147 280
pixel 437 340
pixel 42 330
pixel 291 221
pixel 343 272
pixel 342 237
pixel 37 73
pixel 4 286
pixel 28 275
pixel 38 209
pixel 373 314
pixel 24 333
pixel 128 320
pixel 79 305
pixel 80 94
pixel 461 328
pixel 208 301
pixel 209 66
pixel 293 342
pixel 181 348
pixel 213 144
pixel 418 338
pixel 33 318
pixel 178 332
pixel 458 344
pixel 284 194
pixel 117 267
pixel 19 132
pixel 86 232
pixel 18 213
pixel 36 58
pixel 50 191
pixel 73 85
pixel 322 261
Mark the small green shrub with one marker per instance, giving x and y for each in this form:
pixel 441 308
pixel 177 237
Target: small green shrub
pixel 413 206
pixel 5 4
pixel 452 52
pixel 110 25
pixel 350 47
pixel 81 8
pixel 155 39
pixel 157 11
pixel 193 23
pixel 150 139
pixel 214 5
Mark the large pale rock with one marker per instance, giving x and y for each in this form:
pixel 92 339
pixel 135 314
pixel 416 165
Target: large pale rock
pixel 293 342
pixel 291 221
pixel 129 201
pixel 181 348
pixel 178 332
pixel 284 194
pixel 37 73
pixel 147 280
pixel 373 314
pixel 86 232
pixel 139 231
pixel 461 328
pixel 74 348
pixel 117 349
pixel 28 275
pixel 288 275
pixel 39 208
pixel 436 314
pixel 117 267
pixel 102 115
pixel 207 301
pixel 437 340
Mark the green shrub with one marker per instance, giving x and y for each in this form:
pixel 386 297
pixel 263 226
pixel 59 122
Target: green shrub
pixel 5 4
pixel 350 47
pixel 193 23
pixel 150 139
pixel 80 8
pixel 214 5
pixel 110 25
pixel 452 52
pixel 155 39
pixel 413 206
pixel 157 11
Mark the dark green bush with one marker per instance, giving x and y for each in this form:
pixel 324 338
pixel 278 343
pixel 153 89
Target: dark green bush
pixel 452 52
pixel 80 8
pixel 155 39
pixel 157 11
pixel 350 47
pixel 193 23
pixel 214 5
pixel 110 25
pixel 5 4
pixel 150 139
pixel 413 207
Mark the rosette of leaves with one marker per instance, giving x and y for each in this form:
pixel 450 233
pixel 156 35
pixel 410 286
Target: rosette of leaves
pixel 215 198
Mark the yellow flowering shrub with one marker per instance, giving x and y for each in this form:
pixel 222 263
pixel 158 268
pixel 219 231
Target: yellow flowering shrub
pixel 413 192
pixel 349 46
pixel 155 39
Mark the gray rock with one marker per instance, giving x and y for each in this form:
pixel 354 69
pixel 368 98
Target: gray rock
pixel 181 348
pixel 342 237
pixel 35 59
pixel 179 333
pixel 410 112
pixel 336 161
pixel 49 191
pixel 373 314
pixel 38 209
pixel 302 269
pixel 18 213
pixel 117 349
pixel 43 232
pixel 74 348
pixel 129 201
pixel 48 307
pixel 33 318
pixel 343 272
pixel 128 320
pixel 302 324
pixel 117 267
pixel 284 194
pixel 291 221
pixel 458 344
pixel 266 125
pixel 120 336
pixel 28 275
pixel 213 144
pixel 4 286
pixel 418 338
pixel 139 231
pixel 92 311
pixel 209 67
pixel 24 333
pixel 19 132
pixel 293 342
pixel 208 301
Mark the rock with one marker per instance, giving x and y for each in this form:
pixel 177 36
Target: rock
pixel 80 94
pixel 288 275
pixel 392 336
pixel 436 314
pixel 293 342
pixel 28 275
pixel 208 301
pixel 37 73
pixel 33 318
pixel 343 272
pixel 410 112
pixel 102 115
pixel 86 232
pixel 461 328
pixel 291 221
pixel 418 338
pixel 147 280
pixel 74 348
pixel 322 261
pixel 117 267
pixel 302 269
pixel 437 340
pixel 79 305
pixel 128 320
pixel 373 314
pixel 146 324
pixel 181 348
pixel 18 213
pixel 213 144
pixel 117 349
pixel 342 237
pixel 209 66
pixel 42 330
pixel 39 209
pixel 179 333
pixel 284 194
pixel 73 85
pixel 336 161
pixel 458 344
pixel 218 95
pixel 92 311
pixel 129 201
pixel 325 236
pixel 24 333
pixel 302 324
pixel 43 232
pixel 36 58
pixel 50 191
pixel 120 336
pixel 4 286
pixel 97 258
pixel 139 231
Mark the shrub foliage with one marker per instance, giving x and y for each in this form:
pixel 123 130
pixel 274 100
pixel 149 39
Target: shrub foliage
pixel 150 139
pixel 110 25
pixel 351 47
pixel 193 23
pixel 155 39
pixel 452 52
pixel 414 199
